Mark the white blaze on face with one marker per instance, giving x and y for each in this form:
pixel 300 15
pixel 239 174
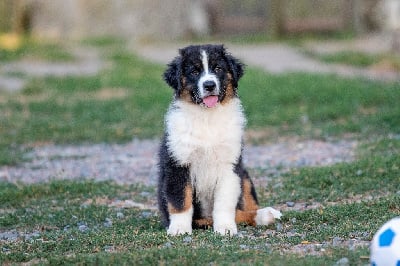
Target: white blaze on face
pixel 206 76
pixel 204 61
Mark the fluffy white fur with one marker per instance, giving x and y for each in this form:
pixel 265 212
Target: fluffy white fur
pixel 267 216
pixel 209 142
pixel 181 223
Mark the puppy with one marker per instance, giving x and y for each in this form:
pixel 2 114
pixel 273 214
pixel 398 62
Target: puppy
pixel 202 181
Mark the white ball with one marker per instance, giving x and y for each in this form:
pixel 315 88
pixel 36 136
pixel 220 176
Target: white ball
pixel 385 246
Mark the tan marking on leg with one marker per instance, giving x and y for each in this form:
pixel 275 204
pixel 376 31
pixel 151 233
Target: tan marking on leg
pixel 249 212
pixel 187 202
pixel 246 217
pixel 249 203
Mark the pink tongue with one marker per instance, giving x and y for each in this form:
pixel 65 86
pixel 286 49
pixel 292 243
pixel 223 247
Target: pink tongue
pixel 210 101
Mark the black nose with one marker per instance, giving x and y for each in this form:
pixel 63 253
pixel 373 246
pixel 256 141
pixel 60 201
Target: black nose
pixel 209 85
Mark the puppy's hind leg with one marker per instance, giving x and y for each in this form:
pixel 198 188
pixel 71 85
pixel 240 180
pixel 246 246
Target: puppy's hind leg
pixel 248 211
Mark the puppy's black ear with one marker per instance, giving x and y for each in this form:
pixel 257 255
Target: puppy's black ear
pixel 236 67
pixel 173 74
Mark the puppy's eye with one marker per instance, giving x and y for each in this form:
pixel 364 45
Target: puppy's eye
pixel 218 69
pixel 195 72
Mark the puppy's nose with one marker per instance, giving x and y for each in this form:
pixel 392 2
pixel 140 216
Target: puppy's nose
pixel 209 85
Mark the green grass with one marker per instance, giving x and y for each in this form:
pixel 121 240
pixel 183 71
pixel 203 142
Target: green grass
pixel 319 106
pixel 51 216
pixel 34 49
pixel 68 222
pixel 129 100
pixel 114 106
pixel 373 176
pixel 55 211
pixel 351 58
pixel 362 59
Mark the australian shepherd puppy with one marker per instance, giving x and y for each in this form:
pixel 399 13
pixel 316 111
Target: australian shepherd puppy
pixel 202 181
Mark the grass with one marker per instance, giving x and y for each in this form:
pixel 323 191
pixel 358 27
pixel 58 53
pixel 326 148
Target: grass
pixel 51 217
pixel 362 59
pixel 320 106
pixel 78 222
pixel 129 100
pixel 34 49
pixel 373 176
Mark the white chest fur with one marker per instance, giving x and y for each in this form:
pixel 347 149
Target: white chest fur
pixel 208 141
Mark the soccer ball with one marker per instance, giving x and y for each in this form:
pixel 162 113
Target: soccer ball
pixel 385 246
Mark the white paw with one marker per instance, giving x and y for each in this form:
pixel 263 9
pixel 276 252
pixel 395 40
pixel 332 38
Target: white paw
pixel 179 229
pixel 226 229
pixel 180 223
pixel 267 216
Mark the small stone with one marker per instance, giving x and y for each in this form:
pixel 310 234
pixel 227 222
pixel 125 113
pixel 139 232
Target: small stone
pixel 108 222
pixel 120 215
pixel 168 245
pixel 290 204
pixel 9 236
pixel 243 246
pixel 241 234
pixel 187 239
pixel 83 228
pixel 108 248
pixel 359 172
pixel 343 262
pixel 32 235
pixel 146 215
pixel 336 241
pixel 279 227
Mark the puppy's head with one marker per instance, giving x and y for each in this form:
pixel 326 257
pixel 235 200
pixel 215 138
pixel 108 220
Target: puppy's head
pixel 204 75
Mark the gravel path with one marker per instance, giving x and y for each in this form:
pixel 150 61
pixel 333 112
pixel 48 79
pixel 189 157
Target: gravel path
pixel 136 162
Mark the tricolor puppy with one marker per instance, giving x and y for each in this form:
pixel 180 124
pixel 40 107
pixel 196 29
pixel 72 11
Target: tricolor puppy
pixel 202 181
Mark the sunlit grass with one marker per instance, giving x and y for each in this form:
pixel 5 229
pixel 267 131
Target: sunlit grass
pixel 129 100
pixel 69 222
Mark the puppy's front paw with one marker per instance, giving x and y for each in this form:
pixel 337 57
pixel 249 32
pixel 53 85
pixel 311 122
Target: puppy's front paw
pixel 267 216
pixel 179 229
pixel 180 223
pixel 226 229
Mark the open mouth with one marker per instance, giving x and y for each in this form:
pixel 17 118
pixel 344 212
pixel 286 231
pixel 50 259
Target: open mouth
pixel 210 101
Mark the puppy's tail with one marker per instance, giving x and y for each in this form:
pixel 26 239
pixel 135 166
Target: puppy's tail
pixel 267 216
pixel 258 216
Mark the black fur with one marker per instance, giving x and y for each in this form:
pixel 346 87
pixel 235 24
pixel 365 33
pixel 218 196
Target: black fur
pixel 172 180
pixel 188 65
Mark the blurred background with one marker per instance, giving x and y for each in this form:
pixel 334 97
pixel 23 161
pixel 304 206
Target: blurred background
pixel 144 20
